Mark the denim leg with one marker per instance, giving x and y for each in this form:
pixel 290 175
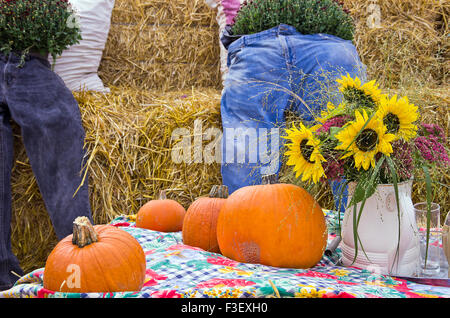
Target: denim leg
pixel 318 60
pixel 53 136
pixel 8 261
pixel 254 99
pixel 324 58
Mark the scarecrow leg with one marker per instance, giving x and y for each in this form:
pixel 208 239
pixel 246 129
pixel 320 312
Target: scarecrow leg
pixel 53 136
pixel 8 261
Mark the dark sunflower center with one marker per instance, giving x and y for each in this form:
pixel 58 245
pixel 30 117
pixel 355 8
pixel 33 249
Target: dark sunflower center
pixel 367 140
pixel 306 150
pixel 358 97
pixel 392 123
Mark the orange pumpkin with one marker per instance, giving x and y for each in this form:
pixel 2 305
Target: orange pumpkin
pixel 163 215
pixel 272 224
pixel 200 222
pixel 99 258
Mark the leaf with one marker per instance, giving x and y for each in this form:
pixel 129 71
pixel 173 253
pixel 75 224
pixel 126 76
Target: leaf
pixel 395 183
pixel 365 190
pixel 367 185
pixel 428 188
pixel 341 196
pixel 333 132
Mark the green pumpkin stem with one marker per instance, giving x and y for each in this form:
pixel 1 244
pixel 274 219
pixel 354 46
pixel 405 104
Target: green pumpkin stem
pixel 270 179
pixel 219 191
pixel 83 232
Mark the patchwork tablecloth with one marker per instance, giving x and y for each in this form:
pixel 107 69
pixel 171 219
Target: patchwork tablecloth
pixel 178 270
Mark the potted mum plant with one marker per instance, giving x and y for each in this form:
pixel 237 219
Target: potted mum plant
pixel 307 16
pixel 37 27
pixel 374 142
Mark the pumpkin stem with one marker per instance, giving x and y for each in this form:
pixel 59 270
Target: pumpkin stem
pixel 270 179
pixel 219 191
pixel 83 232
pixel 162 195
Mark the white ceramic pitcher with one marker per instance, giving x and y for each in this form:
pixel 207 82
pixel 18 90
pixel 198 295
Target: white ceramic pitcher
pixel 378 231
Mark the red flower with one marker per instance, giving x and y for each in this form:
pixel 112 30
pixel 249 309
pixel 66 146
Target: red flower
pixel 151 278
pixel 43 293
pixel 338 295
pixel 165 294
pixel 317 274
pixel 227 282
pixel 183 247
pixel 126 224
pixel 221 261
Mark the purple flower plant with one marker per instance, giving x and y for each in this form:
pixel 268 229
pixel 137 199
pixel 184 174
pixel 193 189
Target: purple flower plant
pixel 337 121
pixel 431 149
pixel 334 169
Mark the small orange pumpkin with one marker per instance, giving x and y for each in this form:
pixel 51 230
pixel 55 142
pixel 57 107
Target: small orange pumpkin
pixel 272 224
pixel 99 258
pixel 200 222
pixel 163 215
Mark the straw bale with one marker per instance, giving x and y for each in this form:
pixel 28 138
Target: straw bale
pixel 165 57
pixel 163 45
pixel 410 46
pixel 128 142
pixel 163 12
pixel 162 76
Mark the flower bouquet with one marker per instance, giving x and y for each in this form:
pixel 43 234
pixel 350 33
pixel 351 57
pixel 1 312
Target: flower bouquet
pixel 370 141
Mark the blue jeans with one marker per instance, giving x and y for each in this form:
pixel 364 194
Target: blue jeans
pixel 271 72
pixel 50 121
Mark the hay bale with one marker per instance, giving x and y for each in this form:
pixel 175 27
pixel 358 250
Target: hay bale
pixel 128 141
pixel 162 12
pixel 410 45
pixel 162 45
pixel 165 57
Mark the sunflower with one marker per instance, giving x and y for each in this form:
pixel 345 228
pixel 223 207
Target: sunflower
pixel 355 92
pixel 304 154
pixel 363 139
pixel 399 116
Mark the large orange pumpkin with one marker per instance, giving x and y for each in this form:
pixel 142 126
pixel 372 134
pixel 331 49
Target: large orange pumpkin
pixel 163 215
pixel 272 224
pixel 200 222
pixel 99 258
